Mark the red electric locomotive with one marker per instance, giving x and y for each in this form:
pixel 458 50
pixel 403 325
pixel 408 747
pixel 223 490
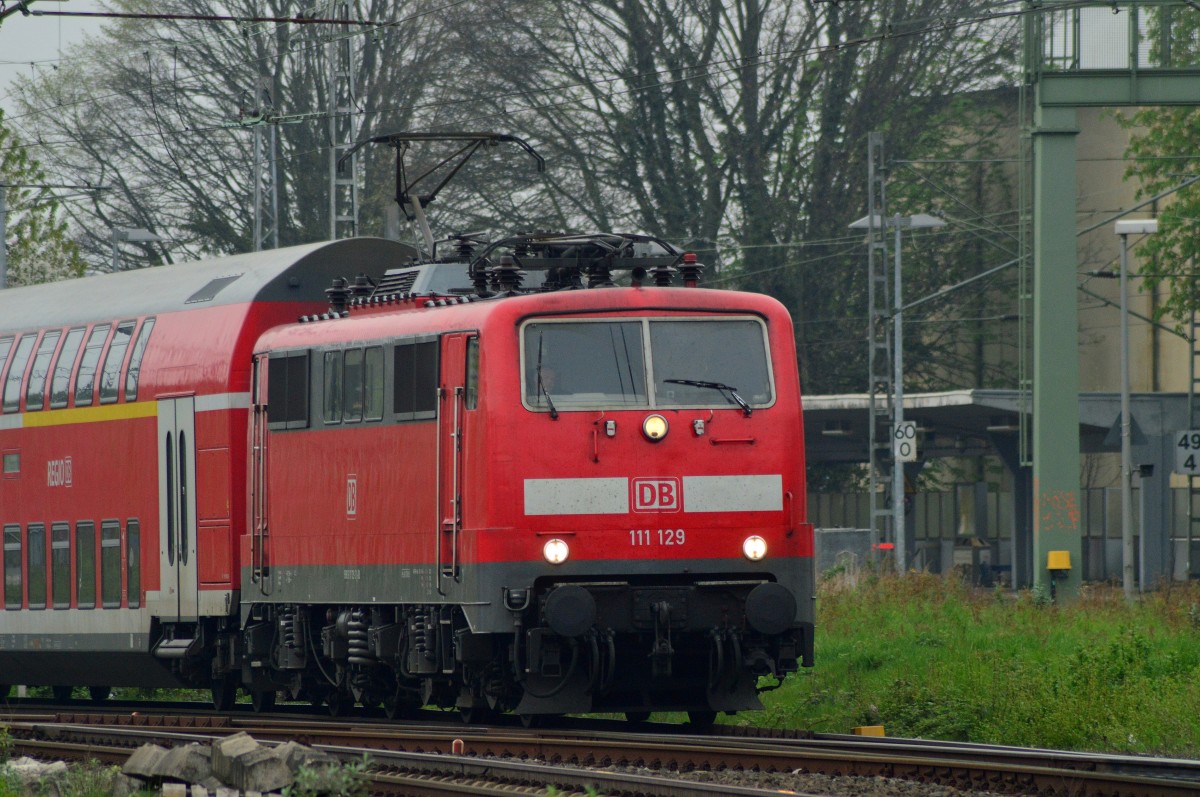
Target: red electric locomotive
pixel 471 483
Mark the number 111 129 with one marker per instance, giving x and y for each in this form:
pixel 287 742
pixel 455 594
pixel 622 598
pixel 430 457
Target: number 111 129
pixel 641 537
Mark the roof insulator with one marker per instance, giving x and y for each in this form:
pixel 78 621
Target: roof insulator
pixel 363 285
pixel 600 273
pixel 663 274
pixel 338 294
pixel 429 304
pixel 508 275
pixel 479 278
pixel 690 270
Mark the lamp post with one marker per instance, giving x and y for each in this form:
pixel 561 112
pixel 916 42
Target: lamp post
pixel 128 234
pixel 1124 229
pixel 920 221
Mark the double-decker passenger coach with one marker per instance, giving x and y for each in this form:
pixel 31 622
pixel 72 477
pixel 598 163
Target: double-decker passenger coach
pixel 471 482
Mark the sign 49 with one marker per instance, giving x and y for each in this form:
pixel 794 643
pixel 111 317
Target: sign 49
pixel 1187 452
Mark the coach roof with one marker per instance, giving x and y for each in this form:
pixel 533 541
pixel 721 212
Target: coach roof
pixel 292 274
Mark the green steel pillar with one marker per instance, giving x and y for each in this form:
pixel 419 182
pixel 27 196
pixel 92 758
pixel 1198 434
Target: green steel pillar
pixel 1056 515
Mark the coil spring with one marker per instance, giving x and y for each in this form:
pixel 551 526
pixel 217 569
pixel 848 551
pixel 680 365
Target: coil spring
pixel 421 632
pixel 356 630
pixel 287 633
pixel 299 638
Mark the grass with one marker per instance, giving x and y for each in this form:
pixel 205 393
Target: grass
pixel 83 780
pixel 927 656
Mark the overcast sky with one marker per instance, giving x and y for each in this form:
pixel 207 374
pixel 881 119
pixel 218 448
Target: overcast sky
pixel 38 40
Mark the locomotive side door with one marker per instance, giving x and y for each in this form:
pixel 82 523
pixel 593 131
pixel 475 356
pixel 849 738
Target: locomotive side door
pixel 451 394
pixel 258 475
pixel 178 591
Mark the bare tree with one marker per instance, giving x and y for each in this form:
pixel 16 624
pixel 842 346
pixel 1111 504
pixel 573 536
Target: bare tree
pixel 736 128
pixel 156 110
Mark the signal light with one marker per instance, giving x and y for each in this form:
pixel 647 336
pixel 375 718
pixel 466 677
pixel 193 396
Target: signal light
pixel 655 428
pixel 754 548
pixel 556 551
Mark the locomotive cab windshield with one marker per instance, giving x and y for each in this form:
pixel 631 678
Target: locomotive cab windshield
pixel 675 363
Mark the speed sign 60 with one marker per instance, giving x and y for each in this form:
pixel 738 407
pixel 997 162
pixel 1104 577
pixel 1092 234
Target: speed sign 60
pixel 904 442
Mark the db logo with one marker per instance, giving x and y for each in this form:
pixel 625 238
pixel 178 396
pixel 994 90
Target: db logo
pixel 351 496
pixel 656 495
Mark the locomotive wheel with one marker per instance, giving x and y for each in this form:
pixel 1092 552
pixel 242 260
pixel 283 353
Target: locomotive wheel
pixel 338 701
pixel 62 694
pixel 224 692
pixel 702 719
pixel 263 700
pixel 475 715
pixel 399 705
pixel 99 693
pixel 636 716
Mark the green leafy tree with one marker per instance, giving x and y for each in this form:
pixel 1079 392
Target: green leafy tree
pixel 1162 153
pixel 36 234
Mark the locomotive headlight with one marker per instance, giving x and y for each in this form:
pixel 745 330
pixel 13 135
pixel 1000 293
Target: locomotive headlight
pixel 755 548
pixel 654 427
pixel 556 551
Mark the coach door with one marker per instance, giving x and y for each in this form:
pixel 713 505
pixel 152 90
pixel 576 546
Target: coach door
pixel 451 394
pixel 178 598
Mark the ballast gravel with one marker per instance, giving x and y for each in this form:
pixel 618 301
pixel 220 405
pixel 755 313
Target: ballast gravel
pixel 802 783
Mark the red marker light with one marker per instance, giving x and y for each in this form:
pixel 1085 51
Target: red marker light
pixel 885 546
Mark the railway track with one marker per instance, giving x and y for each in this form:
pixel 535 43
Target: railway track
pixel 606 756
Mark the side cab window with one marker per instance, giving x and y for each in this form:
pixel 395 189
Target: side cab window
pixel 287 390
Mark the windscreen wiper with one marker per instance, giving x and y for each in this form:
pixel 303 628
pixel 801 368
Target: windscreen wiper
pixel 726 390
pixel 541 386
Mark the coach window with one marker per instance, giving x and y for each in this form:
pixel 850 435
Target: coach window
pixel 133 562
pixel 12 567
pixel 5 348
pixel 352 386
pixel 331 410
pixel 61 383
pixel 373 384
pixel 16 373
pixel 85 381
pixel 85 564
pixel 287 390
pixel 135 360
pixel 415 375
pixel 36 566
pixel 60 564
pixel 110 376
pixel 35 395
pixel 472 387
pixel 110 564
